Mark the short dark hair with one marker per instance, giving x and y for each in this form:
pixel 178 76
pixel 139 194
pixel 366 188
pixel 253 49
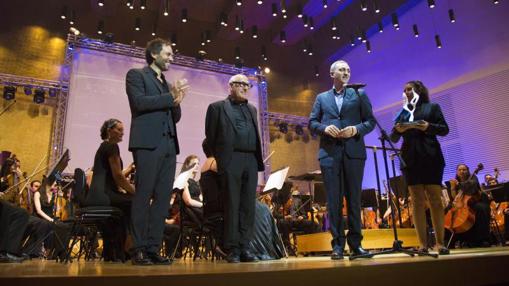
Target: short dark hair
pixel 154 47
pixel 33 182
pixel 421 90
pixel 108 124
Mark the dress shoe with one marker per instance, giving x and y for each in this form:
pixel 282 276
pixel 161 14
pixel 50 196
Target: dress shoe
pixel 443 250
pixel 359 251
pixel 140 258
pixel 233 257
pixel 248 256
pixel 337 254
pixel 158 259
pixel 10 258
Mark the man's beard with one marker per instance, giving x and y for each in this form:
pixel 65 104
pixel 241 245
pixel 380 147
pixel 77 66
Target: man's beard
pixel 161 65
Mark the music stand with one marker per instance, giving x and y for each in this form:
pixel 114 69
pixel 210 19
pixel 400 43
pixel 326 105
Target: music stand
pixel 368 199
pixel 397 245
pixel 499 193
pixel 55 173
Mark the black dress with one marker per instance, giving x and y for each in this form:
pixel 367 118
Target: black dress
pixel 194 214
pixel 104 192
pixel 421 149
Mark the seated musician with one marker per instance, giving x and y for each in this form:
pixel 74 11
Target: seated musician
pixel 479 234
pixel 109 187
pixel 192 196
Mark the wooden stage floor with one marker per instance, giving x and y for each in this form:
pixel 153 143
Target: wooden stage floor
pixel 486 266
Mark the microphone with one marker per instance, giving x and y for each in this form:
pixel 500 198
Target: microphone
pixel 355 85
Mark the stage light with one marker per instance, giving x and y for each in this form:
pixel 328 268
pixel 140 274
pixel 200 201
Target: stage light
pixel 299 11
pixel 208 36
pixel 184 15
pixel 305 20
pixel 352 40
pixel 100 3
pixel 260 2
pixel 63 15
pixel 264 53
pixel 9 92
pixel 283 6
pixel 239 2
pixel 241 26
pixel 376 6
pixel 166 8
pixel 285 16
pixel 380 27
pixel 311 23
pixel 282 36
pixel 143 4
pixel 174 39
pixel 416 31
pixel 452 17
pixel 438 42
pixel 224 19
pixel 72 19
pixel 100 27
pixel 431 3
pixel 274 9
pixel 254 32
pixel 283 127
pixel 75 31
pixel 137 24
pixel 368 46
pixel 129 3
pixel 266 70
pixel 333 24
pixel 496 1
pixel 324 3
pixel 132 6
pixel 237 53
pixel 203 40
pixel 108 38
pixel 39 96
pixel 310 50
pixel 28 90
pixel 299 130
pixel 364 7
pixel 238 63
pixel 395 22
pixel 317 72
pixel 201 55
pixel 52 92
pixel 154 29
pixel 237 23
pixel 364 37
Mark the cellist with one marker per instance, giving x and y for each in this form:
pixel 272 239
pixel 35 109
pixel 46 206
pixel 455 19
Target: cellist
pixel 469 185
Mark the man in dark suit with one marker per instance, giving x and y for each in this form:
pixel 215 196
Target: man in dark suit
pixel 342 119
pixel 155 110
pixel 231 128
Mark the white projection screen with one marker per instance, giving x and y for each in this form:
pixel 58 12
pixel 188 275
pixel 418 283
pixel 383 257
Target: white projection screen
pixel 97 93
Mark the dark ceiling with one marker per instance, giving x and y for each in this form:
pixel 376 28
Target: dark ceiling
pixel 204 17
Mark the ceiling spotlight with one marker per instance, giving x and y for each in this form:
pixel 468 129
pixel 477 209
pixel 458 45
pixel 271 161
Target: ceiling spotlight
pixel 143 4
pixel 184 15
pixel 100 3
pixel 352 40
pixel 203 38
pixel 254 32
pixel 237 53
pixel 132 6
pixel 364 38
pixel 283 6
pixel 108 38
pixel 431 3
pixel 28 90
pixel 452 18
pixel 310 50
pixel 324 3
pixel 39 96
pixel 299 130
pixel 305 20
pixel 129 3
pixel 317 73
pixel 224 19
pixel 264 53
pixel 52 92
pixel 72 19
pixel 368 46
pixel 174 39
pixel 100 27
pixel 364 7
pixel 154 29
pixel 299 11
pixel 285 16
pixel 266 70
pixel 166 7
pixel 260 2
pixel 311 24
pixel 333 24
pixel 438 42
pixel 237 23
pixel 241 26
pixel 208 36
pixel 75 31
pixel 416 30
pixel 239 2
pixel 283 127
pixel 282 36
pixel 380 27
pixel 376 6
pixel 395 22
pixel 496 1
pixel 9 92
pixel 274 9
pixel 137 24
pixel 63 15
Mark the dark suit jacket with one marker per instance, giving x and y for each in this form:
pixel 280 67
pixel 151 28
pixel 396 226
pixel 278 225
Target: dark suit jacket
pixel 354 112
pixel 152 110
pixel 220 133
pixel 418 145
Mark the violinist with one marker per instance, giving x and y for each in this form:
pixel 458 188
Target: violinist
pixel 478 235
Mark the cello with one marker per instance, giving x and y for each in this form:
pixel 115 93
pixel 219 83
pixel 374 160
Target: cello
pixel 461 217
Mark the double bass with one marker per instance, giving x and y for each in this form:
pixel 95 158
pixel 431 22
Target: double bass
pixel 461 217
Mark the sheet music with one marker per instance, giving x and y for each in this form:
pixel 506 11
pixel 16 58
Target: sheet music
pixel 276 180
pixel 181 181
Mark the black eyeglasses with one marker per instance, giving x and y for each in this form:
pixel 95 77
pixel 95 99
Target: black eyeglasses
pixel 243 84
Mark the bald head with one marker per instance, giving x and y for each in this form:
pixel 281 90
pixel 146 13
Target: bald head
pixel 239 85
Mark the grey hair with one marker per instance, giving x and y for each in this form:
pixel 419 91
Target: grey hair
pixel 335 64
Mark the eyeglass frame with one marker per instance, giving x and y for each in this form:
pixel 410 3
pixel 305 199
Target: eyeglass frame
pixel 243 84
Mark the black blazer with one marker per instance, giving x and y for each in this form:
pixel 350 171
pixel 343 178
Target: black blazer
pixel 419 145
pixel 220 133
pixel 152 110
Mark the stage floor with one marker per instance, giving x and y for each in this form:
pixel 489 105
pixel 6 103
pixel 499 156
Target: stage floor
pixel 483 266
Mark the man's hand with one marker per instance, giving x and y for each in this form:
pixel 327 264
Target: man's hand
pixel 422 126
pixel 332 131
pixel 347 132
pixel 179 90
pixel 400 127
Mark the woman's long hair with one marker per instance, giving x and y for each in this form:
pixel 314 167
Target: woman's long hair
pixel 421 90
pixel 187 163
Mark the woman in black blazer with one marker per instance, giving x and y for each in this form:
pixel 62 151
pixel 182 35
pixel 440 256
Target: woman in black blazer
pixel 423 157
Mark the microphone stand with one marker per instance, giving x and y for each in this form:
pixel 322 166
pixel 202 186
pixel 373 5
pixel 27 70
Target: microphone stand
pixel 397 245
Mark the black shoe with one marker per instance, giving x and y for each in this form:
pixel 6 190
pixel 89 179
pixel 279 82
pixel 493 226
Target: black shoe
pixel 158 259
pixel 359 251
pixel 140 258
pixel 248 256
pixel 233 257
pixel 10 258
pixel 443 251
pixel 337 254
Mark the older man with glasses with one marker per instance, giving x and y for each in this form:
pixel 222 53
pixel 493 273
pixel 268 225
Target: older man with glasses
pixel 231 128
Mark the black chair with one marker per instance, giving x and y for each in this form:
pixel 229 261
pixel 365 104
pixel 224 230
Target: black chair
pixel 87 220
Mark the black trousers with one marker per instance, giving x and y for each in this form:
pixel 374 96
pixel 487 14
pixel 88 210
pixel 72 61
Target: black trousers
pixel 36 230
pixel 155 172
pixel 344 178
pixel 13 222
pixel 239 181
